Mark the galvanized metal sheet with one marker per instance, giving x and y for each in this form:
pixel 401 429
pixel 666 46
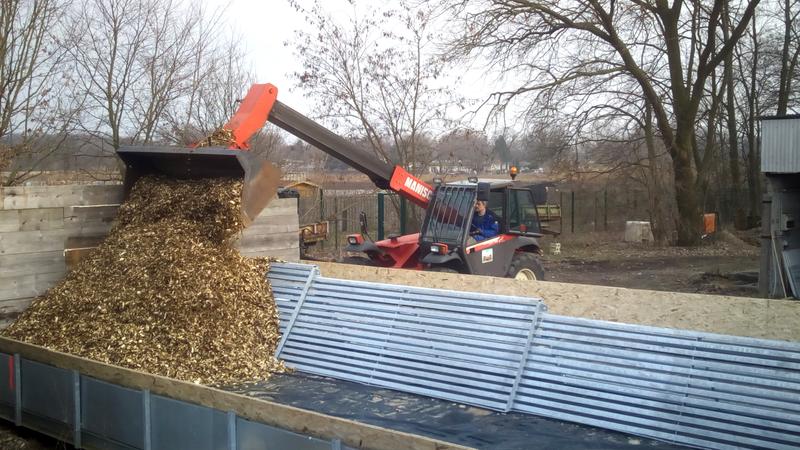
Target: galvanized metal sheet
pixel 780 145
pixel 257 436
pixel 178 425
pixel 7 379
pixel 47 391
pixel 452 345
pixel 8 386
pixel 47 400
pixel 698 389
pixel 111 413
pixel 681 386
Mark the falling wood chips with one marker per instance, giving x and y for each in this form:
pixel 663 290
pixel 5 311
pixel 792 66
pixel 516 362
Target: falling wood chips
pixel 166 293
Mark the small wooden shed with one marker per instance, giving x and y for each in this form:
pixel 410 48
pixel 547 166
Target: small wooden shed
pixel 305 188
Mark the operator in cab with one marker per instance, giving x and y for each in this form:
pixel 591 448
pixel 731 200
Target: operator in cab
pixel 484 223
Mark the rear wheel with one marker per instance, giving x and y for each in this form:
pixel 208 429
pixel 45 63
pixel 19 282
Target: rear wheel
pixel 525 266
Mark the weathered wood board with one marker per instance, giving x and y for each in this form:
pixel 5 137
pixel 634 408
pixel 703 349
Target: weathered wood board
pixel 39 223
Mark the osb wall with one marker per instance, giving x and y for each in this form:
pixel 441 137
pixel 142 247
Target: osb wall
pixel 37 221
pixel 753 317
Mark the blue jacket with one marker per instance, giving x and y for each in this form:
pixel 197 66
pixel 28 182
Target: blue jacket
pixel 485 226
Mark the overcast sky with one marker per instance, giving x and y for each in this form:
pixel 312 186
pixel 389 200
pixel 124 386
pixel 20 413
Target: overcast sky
pixel 265 26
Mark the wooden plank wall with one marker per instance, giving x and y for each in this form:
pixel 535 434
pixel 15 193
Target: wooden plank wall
pixel 37 221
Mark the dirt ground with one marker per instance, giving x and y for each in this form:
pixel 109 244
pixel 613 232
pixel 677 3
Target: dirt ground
pixel 726 264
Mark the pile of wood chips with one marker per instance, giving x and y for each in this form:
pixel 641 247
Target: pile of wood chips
pixel 166 293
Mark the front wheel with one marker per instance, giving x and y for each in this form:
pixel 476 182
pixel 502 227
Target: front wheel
pixel 525 266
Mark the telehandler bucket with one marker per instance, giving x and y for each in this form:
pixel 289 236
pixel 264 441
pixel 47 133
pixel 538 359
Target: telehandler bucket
pixel 261 179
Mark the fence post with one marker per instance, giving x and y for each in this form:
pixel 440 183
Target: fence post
pixel 596 217
pixel 381 218
pixel 572 212
pixel 605 210
pixel 561 212
pixel 336 224
pixel 322 213
pixel 402 216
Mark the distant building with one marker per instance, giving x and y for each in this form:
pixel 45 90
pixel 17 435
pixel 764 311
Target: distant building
pixel 780 230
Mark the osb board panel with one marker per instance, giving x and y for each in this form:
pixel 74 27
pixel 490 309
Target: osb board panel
pixel 29 197
pixel 759 318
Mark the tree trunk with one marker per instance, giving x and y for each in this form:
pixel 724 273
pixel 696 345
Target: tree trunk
pixel 658 216
pixel 785 75
pixel 753 175
pixel 733 145
pixel 753 157
pixel 689 219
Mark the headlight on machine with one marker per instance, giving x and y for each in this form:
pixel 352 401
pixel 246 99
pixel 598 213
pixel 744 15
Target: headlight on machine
pixel 355 239
pixel 440 249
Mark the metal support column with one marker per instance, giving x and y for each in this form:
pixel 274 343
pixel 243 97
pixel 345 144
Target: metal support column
pixel 572 213
pixel 76 399
pixel 303 294
pixel 403 215
pixel 17 391
pixel 231 430
pixel 524 358
pixel 147 426
pixel 381 214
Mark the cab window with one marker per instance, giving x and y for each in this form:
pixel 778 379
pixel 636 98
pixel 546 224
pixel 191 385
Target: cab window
pixel 496 204
pixel 522 214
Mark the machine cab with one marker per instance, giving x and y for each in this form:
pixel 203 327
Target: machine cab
pixel 445 238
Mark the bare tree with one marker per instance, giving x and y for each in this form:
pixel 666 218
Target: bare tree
pixel 373 77
pixel 669 50
pixel 37 109
pixel 220 77
pixel 465 149
pixel 790 52
pixel 106 44
pixel 165 59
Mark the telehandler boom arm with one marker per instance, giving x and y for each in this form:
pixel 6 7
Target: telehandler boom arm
pixel 261 105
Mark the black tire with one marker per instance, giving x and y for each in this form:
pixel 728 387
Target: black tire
pixel 357 261
pixel 528 264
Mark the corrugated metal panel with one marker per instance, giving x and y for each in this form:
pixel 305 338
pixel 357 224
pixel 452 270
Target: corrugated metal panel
pixel 780 145
pixel 704 390
pixel 457 346
pixel 691 388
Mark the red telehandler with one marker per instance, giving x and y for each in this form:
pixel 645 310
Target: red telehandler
pixel 442 244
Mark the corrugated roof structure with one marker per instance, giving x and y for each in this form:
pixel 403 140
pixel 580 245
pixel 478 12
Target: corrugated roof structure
pixel 780 144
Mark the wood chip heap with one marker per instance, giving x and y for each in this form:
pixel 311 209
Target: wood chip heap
pixel 166 293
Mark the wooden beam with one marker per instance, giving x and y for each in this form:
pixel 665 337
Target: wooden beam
pixel 14 220
pixel 28 197
pixel 31 263
pixel 353 434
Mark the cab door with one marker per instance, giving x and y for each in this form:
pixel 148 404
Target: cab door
pixel 523 217
pixel 490 257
